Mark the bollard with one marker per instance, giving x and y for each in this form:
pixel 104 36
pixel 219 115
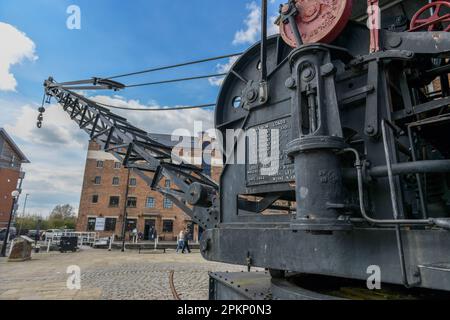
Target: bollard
pixel 11 247
pixel 49 242
pixel 110 242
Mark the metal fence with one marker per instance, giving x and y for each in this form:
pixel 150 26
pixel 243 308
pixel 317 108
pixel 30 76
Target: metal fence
pixel 84 238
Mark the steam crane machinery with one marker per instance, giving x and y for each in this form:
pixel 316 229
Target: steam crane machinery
pixel 359 94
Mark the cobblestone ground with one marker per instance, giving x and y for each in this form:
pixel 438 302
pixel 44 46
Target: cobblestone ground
pixel 109 275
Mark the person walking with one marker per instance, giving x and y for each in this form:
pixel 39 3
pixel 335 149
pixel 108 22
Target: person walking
pixel 181 239
pixel 135 235
pixel 186 243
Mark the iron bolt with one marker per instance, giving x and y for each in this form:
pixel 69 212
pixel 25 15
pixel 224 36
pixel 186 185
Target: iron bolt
pixel 251 95
pixel 400 19
pixel 308 74
pixel 327 69
pixel 395 41
pixel 290 83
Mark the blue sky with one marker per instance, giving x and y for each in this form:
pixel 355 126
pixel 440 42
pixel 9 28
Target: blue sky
pixel 116 36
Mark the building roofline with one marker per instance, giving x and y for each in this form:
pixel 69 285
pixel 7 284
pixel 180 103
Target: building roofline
pixel 13 145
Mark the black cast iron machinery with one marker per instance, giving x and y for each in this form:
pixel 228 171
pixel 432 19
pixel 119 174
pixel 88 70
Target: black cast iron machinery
pixel 362 117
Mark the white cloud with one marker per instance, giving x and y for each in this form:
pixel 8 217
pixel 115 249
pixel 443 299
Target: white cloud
pixel 16 48
pixel 57 153
pixel 223 68
pixel 58 150
pixel 253 26
pixel 57 130
pixel 249 36
pixel 273 28
pixel 156 121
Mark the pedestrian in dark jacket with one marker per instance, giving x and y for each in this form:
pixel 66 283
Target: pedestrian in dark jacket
pixel 186 243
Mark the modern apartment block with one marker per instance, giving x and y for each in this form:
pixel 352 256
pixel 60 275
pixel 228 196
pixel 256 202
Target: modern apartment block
pixel 11 174
pixel 111 192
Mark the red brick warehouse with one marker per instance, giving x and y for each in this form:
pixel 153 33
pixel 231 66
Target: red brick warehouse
pixel 11 174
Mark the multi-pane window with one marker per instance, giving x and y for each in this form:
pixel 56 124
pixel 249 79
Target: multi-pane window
pixel 98 180
pixel 150 202
pixel 114 201
pixel 116 181
pixel 13 161
pixel 168 226
pixel 117 165
pixel 95 198
pixel 110 224
pixel 100 164
pixel 206 165
pixel 167 203
pixel 91 224
pixel 133 182
pixel 131 202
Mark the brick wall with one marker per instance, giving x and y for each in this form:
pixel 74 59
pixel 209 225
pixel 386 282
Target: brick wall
pixel 11 159
pixel 8 183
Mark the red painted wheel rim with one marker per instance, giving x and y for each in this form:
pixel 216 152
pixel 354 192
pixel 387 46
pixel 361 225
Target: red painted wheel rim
pixel 318 21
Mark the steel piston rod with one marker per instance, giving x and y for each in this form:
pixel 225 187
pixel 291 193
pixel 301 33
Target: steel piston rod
pixel 415 167
pixel 440 222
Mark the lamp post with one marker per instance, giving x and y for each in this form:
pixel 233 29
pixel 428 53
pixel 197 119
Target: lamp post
pixel 23 214
pixel 125 211
pixel 15 194
pixel 38 236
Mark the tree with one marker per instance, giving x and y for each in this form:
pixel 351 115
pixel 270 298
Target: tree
pixel 31 222
pixel 62 212
pixel 62 216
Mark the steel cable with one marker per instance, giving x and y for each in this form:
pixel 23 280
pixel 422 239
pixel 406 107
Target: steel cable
pixel 173 66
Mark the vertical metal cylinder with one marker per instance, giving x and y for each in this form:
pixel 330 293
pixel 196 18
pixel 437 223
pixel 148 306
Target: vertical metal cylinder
pixel 319 185
pixel 316 141
pixel 318 177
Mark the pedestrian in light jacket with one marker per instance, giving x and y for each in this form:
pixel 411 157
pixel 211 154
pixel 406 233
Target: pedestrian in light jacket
pixel 181 240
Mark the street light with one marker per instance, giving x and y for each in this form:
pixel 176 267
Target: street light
pixel 15 194
pixel 23 214
pixel 37 236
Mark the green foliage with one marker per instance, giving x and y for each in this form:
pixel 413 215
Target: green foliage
pixel 31 222
pixel 61 217
pixel 63 212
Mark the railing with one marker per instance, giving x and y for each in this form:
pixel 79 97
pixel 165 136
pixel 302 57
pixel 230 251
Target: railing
pixel 84 238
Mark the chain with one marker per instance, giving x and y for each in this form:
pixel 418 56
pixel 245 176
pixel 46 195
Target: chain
pixel 41 110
